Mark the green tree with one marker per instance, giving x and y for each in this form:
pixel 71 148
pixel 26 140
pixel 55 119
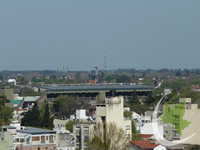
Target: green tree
pixel 45 121
pixel 108 137
pixel 186 92
pixel 175 85
pixel 97 144
pixel 109 78
pixel 32 118
pixel 134 99
pixel 6 114
pixel 69 125
pixel 64 106
pixel 123 79
pixel 22 81
pixel 128 114
pixel 149 99
pixel 135 135
pixel 140 108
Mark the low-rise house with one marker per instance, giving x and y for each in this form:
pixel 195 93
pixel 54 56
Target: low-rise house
pixel 34 138
pixel 145 145
pixel 28 102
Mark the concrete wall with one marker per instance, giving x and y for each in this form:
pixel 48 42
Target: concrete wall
pixel 59 123
pixel 115 110
pixel 6 141
pixel 35 147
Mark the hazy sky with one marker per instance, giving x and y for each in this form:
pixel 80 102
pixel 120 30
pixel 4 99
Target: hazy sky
pixel 49 34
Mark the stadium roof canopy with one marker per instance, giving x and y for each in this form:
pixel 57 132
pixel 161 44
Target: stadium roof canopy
pixel 96 87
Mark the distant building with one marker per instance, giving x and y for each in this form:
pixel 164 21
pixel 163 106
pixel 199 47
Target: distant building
pixel 7 91
pixel 12 81
pixel 195 88
pixel 28 102
pixel 144 123
pixel 167 91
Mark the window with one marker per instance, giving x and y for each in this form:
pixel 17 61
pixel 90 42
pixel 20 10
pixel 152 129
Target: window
pixel 51 139
pixel 127 127
pixel 36 138
pixel 86 131
pixel 86 138
pixel 77 138
pixel 43 139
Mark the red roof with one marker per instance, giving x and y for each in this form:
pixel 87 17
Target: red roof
pixel 92 81
pixel 145 136
pixel 195 86
pixel 144 144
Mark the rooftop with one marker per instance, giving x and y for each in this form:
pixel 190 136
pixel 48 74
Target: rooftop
pixel 145 136
pixel 144 144
pixel 31 130
pixel 30 98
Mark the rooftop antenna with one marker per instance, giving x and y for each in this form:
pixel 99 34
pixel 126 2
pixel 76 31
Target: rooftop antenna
pixel 67 69
pixel 63 69
pixel 104 61
pixel 96 73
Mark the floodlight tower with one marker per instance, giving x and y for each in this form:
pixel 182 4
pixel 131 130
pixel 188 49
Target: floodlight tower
pixel 96 73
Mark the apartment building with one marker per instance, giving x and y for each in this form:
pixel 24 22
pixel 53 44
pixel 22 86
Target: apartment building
pixel 81 131
pixel 113 111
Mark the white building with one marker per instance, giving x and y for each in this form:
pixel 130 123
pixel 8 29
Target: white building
pixel 34 138
pixel 81 114
pixel 113 111
pixel 64 139
pixel 12 81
